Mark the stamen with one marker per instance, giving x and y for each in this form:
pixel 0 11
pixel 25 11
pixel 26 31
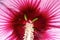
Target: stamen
pixel 25 17
pixel 34 19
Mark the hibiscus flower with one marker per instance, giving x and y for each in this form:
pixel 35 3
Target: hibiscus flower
pixel 29 19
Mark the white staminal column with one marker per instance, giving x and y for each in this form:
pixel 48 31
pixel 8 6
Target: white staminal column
pixel 29 31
